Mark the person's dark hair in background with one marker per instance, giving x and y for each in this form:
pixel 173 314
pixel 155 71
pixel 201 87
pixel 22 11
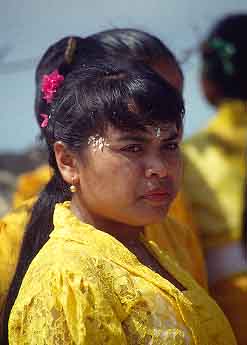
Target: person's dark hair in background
pixel 224 56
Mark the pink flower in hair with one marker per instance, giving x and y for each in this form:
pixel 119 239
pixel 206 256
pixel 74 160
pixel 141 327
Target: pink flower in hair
pixel 45 121
pixel 50 84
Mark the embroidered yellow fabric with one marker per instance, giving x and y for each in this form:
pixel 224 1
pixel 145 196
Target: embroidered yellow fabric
pixel 85 287
pixel 171 236
pixel 182 244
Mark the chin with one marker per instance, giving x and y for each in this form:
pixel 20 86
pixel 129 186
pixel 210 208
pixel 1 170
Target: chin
pixel 154 217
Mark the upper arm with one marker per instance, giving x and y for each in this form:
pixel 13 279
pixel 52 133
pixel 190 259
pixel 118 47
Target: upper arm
pixel 69 310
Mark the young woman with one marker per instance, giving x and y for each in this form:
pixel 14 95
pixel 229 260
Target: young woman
pixel 215 168
pixel 87 274
pixel 139 46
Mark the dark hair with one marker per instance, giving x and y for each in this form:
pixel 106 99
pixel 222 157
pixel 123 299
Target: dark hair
pixel 55 58
pixel 127 95
pixel 224 55
pixel 136 44
pixel 124 43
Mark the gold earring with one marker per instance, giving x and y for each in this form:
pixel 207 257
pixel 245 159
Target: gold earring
pixel 73 188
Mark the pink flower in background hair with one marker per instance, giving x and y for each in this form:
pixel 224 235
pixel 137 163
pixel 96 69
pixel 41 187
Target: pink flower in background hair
pixel 50 84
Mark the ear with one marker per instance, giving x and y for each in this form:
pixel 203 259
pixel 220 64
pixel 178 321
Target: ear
pixel 66 162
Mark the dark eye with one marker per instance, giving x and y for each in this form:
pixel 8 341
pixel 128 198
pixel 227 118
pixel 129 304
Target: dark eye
pixel 132 148
pixel 171 146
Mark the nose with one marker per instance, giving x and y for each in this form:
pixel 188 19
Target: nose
pixel 156 167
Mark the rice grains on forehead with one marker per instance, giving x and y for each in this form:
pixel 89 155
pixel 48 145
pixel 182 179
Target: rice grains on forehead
pixel 98 142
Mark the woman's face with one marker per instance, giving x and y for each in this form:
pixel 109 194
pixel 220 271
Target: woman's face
pixel 130 177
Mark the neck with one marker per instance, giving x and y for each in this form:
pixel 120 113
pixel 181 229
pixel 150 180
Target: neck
pixel 127 234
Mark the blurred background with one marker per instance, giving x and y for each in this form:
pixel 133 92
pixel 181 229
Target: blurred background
pixel 28 27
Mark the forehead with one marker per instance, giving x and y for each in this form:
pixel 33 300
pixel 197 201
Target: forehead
pixel 162 131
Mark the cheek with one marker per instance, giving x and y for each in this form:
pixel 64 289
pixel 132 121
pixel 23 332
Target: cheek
pixel 114 174
pixel 176 168
pixel 125 175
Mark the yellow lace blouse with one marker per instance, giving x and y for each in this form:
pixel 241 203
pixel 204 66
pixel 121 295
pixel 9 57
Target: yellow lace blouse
pixel 85 287
pixel 214 173
pixel 179 241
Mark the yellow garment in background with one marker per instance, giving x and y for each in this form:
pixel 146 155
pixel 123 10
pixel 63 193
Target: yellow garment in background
pixel 95 291
pixel 30 184
pixel 180 211
pixel 214 177
pixel 231 296
pixel 214 174
pixel 11 232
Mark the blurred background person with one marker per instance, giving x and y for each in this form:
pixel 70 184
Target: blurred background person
pixel 215 166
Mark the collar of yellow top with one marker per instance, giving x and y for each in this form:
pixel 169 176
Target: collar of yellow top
pixel 69 227
pixel 230 122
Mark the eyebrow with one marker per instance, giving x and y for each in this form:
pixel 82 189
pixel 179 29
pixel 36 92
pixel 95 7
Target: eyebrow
pixel 145 139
